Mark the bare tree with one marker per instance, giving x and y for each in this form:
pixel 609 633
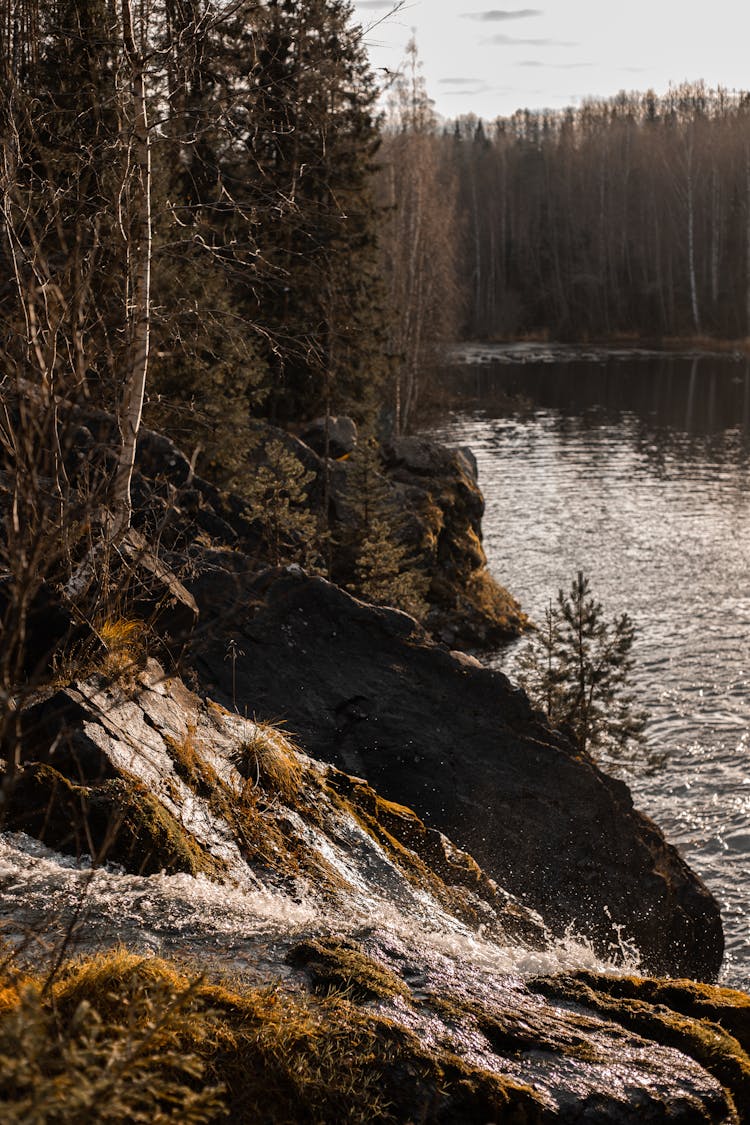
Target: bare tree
pixel 419 238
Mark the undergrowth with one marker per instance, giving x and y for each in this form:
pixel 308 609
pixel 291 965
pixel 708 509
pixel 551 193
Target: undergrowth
pixel 122 1038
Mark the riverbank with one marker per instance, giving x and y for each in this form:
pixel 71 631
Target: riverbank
pixel 388 874
pixel 351 1041
pixel 648 461
pixel 689 344
pixel 276 941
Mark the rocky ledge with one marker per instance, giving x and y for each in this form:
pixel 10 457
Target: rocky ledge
pixel 411 987
pixel 367 690
pixel 407 877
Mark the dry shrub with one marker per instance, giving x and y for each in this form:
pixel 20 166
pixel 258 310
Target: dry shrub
pixel 103 1044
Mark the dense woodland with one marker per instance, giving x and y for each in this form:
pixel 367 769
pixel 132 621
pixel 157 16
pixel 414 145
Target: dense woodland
pixel 222 183
pixel 213 218
pixel 626 216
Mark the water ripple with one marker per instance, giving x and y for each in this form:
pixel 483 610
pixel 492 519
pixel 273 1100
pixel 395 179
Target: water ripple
pixel 658 517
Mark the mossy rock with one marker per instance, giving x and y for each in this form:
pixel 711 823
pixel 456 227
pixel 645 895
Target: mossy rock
pixel 657 1010
pixel 725 1006
pixel 149 838
pixel 276 1057
pixel 336 964
pixel 118 820
pixel 415 848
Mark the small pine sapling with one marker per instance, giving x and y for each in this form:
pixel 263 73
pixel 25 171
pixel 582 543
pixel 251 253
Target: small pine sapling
pixel 277 497
pixel 577 671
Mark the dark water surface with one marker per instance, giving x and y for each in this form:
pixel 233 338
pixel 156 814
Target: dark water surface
pixel 636 469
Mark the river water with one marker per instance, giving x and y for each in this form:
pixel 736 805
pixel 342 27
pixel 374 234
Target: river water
pixel 634 468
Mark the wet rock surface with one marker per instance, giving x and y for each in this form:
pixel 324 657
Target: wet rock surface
pixel 148 775
pixel 365 689
pixel 374 928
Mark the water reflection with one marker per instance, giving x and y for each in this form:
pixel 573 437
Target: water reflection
pixel 636 471
pixel 698 396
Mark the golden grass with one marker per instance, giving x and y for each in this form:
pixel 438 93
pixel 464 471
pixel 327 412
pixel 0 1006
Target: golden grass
pixel 124 643
pixel 267 761
pixel 211 1051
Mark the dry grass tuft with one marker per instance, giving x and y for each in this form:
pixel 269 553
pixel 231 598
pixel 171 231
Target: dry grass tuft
pixel 267 761
pixel 124 642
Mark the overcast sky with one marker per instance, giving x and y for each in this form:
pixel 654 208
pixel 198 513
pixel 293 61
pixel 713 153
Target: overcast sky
pixel 492 60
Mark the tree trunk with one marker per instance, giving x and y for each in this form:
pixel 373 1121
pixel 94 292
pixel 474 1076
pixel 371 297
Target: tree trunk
pixel 747 238
pixel 691 237
pixel 138 314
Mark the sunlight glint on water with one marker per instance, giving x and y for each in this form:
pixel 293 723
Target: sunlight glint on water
pixel 638 474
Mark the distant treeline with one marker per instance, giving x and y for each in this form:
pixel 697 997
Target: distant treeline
pixel 630 215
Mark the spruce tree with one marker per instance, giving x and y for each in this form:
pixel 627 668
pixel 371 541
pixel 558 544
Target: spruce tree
pixel 577 671
pixel 312 139
pixel 384 572
pixel 276 493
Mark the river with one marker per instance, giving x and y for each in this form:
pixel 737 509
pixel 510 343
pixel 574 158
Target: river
pixel 634 467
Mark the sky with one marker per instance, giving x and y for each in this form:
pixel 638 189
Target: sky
pixel 489 60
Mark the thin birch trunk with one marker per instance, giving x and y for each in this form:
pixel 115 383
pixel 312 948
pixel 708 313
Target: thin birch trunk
pixel 691 238
pixel 747 238
pixel 139 312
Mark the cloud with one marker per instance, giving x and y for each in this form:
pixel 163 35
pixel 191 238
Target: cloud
pixel 555 66
pixel 511 41
pixel 482 88
pixel 460 82
pixel 375 4
pixel 495 15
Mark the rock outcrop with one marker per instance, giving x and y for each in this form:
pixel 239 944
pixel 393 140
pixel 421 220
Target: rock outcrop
pixel 142 772
pixel 410 987
pixel 435 498
pixel 366 689
pixel 439 488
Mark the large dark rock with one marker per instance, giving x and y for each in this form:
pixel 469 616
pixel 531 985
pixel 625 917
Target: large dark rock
pixel 366 690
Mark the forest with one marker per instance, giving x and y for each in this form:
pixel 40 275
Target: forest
pixel 220 203
pixel 234 567
pixel 626 216
pixel 215 219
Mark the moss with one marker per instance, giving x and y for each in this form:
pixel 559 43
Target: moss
pixel 147 837
pixel 494 604
pixel 704 1040
pixel 512 1034
pixel 333 963
pixel 189 766
pixel 118 819
pixel 725 1006
pixel 46 805
pixel 280 1058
